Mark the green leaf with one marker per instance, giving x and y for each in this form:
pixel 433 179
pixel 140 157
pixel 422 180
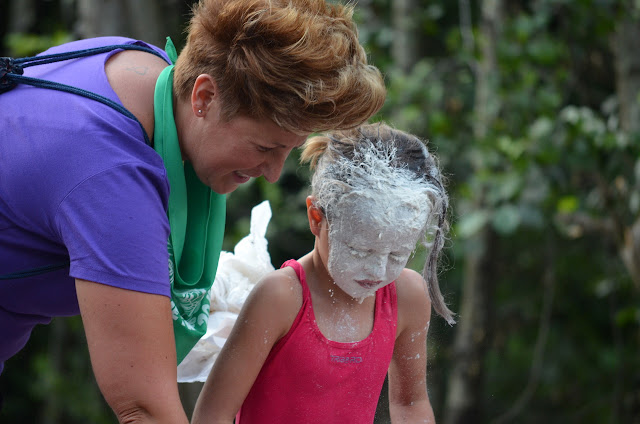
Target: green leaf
pixel 506 219
pixel 568 204
pixel 472 223
pixel 628 316
pixel 504 187
pixel 541 128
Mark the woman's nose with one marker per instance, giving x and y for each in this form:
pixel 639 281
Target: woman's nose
pixel 273 166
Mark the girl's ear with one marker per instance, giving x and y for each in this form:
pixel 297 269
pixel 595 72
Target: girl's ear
pixel 314 215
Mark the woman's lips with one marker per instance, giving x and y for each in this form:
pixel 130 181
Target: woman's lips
pixel 240 177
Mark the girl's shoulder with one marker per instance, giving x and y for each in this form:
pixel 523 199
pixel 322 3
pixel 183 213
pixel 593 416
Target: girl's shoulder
pixel 282 284
pixel 410 284
pixel 413 297
pixel 277 297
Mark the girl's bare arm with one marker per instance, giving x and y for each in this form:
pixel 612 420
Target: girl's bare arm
pixel 265 317
pixel 408 399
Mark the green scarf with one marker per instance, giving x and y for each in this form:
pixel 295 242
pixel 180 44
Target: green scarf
pixel 196 217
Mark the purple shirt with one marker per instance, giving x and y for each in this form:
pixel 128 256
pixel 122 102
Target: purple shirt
pixel 79 184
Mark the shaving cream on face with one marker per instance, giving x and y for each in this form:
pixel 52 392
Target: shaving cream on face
pixel 377 209
pixel 371 238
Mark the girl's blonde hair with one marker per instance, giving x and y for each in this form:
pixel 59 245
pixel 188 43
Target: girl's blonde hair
pixel 378 155
pixel 295 62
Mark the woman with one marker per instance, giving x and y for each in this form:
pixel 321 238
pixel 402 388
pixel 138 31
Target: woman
pixel 84 199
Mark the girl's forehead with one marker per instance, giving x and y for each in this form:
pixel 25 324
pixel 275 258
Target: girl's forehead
pixel 394 229
pixel 380 211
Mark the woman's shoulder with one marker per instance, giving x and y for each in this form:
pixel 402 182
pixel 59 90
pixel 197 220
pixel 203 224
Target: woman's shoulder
pixel 89 43
pixel 132 75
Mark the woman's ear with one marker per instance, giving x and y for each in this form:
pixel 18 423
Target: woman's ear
pixel 205 91
pixel 315 216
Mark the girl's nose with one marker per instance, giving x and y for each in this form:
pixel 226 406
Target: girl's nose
pixel 376 267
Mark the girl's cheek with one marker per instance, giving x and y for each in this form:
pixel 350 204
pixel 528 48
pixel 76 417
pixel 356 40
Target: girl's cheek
pixel 394 272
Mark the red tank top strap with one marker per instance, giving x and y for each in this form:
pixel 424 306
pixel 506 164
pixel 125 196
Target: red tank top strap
pixel 387 305
pixel 302 277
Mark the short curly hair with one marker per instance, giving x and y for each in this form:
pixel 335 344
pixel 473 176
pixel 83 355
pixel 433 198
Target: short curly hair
pixel 296 62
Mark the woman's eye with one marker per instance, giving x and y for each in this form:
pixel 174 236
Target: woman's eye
pixel 357 253
pixel 264 149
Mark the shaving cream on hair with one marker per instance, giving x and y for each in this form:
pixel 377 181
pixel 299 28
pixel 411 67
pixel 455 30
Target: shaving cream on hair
pixel 376 211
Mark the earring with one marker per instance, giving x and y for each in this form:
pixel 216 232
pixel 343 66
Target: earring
pixel 200 111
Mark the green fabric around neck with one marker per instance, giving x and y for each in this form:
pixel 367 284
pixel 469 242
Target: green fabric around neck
pixel 197 219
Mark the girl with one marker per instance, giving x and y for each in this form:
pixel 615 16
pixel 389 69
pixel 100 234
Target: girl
pixel 316 338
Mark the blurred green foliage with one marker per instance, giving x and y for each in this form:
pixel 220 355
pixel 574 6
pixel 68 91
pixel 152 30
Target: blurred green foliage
pixel 22 45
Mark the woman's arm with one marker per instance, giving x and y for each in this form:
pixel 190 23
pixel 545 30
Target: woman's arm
pixel 408 399
pixel 132 348
pixel 265 318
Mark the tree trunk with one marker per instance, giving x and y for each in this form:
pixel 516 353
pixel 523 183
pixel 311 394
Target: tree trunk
pixel 625 40
pixel 404 43
pixel 147 20
pixel 22 16
pixel 464 401
pixel 100 18
pixel 487 102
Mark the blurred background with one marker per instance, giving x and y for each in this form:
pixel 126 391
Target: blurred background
pixel 533 108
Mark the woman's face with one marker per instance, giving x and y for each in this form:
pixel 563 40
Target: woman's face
pixel 225 154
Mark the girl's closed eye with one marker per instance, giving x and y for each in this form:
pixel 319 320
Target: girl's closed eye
pixel 397 257
pixel 357 253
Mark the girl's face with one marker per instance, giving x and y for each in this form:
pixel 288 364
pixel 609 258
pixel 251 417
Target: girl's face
pixel 370 243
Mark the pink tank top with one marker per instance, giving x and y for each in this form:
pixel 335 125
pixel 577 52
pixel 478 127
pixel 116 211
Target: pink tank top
pixel 309 379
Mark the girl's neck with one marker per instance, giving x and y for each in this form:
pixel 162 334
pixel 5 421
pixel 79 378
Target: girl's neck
pixel 320 282
pixel 339 316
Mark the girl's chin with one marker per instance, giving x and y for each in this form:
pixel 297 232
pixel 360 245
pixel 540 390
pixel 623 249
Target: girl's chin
pixel 360 294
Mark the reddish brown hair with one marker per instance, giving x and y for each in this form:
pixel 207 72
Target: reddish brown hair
pixel 296 62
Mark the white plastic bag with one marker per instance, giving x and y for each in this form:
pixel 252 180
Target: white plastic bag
pixel 237 274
